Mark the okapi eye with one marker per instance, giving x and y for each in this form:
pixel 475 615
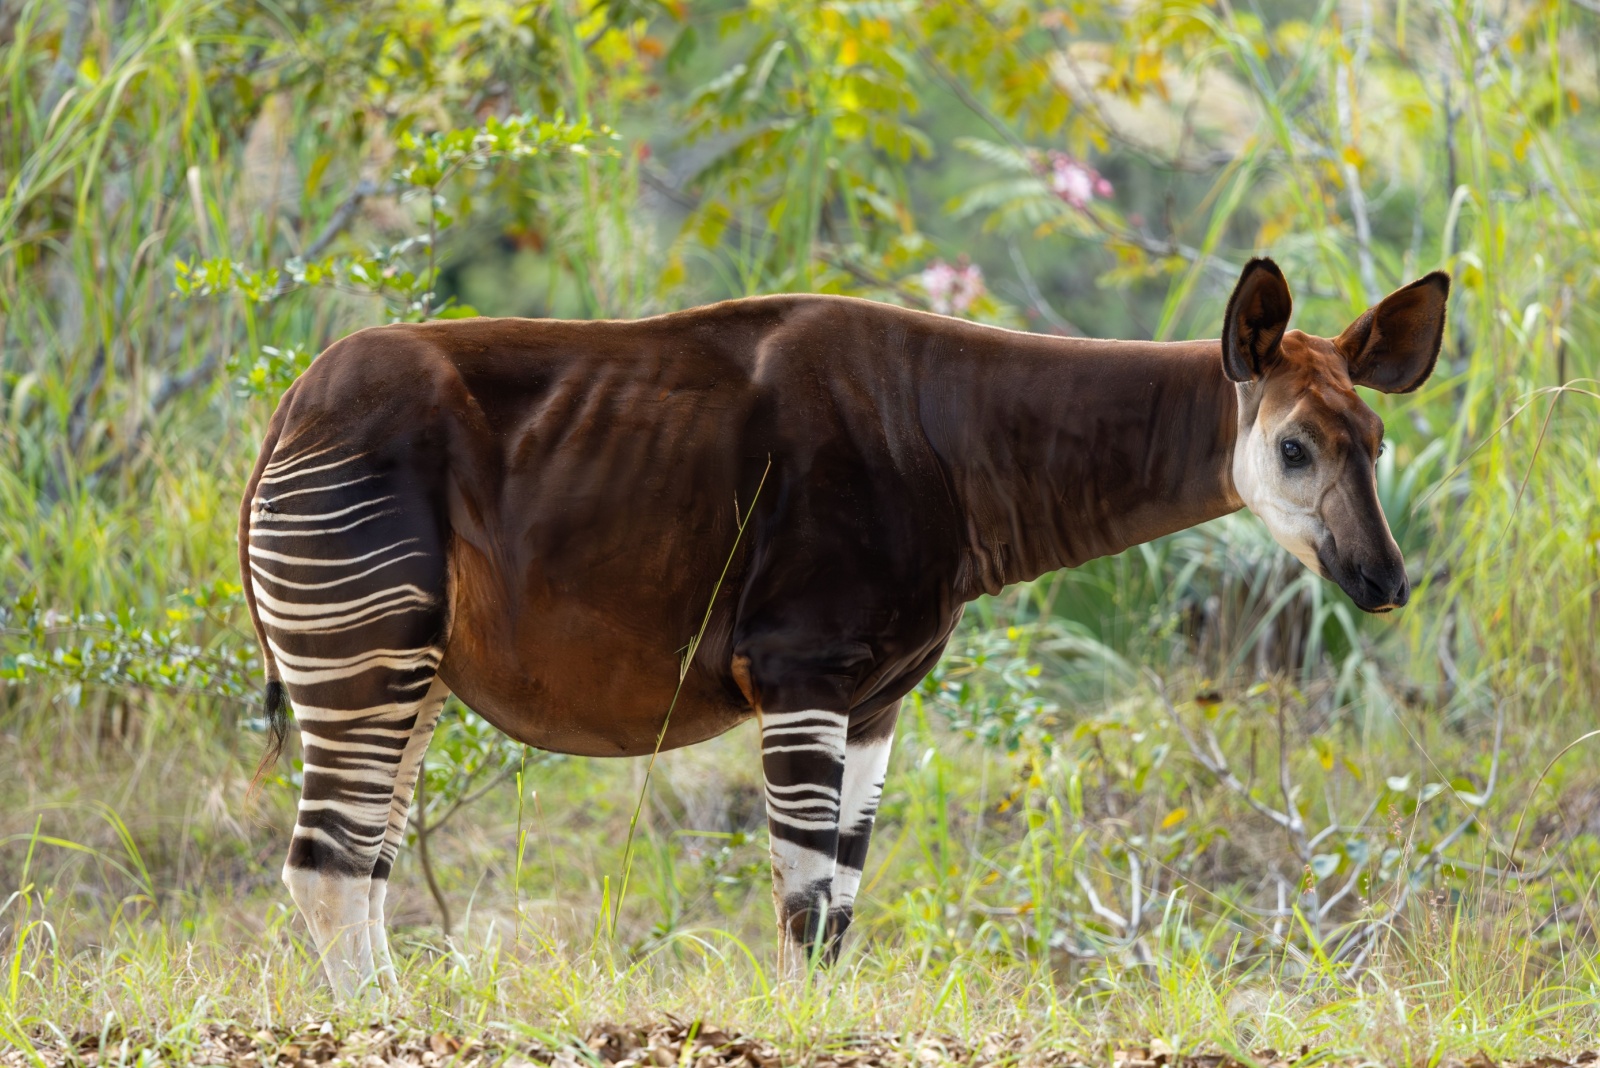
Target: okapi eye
pixel 1294 454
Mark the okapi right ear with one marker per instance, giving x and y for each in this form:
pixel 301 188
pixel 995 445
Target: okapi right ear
pixel 1394 345
pixel 1254 325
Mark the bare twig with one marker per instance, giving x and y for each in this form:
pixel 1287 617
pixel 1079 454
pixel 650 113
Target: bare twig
pixel 974 105
pixel 420 801
pixel 505 773
pixel 171 388
pixel 1088 98
pixel 1344 891
pixel 1037 298
pixel 1354 943
pixel 338 223
pixel 1366 935
pixel 1136 898
pixel 1215 763
pixel 1098 907
pixel 1295 825
pixel 176 385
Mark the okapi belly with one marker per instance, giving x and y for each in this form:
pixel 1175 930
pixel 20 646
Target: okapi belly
pixel 568 682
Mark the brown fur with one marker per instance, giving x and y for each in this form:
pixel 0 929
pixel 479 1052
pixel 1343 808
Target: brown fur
pixel 588 478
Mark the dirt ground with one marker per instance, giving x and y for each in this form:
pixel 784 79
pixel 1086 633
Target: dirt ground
pixel 670 1042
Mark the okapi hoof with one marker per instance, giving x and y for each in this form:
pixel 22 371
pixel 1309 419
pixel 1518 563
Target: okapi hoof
pixel 833 935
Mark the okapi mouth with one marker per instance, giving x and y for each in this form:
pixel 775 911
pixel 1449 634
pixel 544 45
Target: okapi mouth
pixel 1376 591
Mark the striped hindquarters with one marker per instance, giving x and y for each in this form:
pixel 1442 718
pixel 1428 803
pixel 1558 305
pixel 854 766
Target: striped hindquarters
pixel 347 565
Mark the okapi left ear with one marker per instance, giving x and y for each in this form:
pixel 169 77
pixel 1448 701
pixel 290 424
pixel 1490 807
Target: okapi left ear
pixel 1254 324
pixel 1394 345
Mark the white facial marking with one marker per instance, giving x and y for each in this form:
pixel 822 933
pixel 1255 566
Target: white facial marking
pixel 1285 499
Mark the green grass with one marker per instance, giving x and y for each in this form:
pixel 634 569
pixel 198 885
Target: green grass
pixel 147 894
pixel 155 910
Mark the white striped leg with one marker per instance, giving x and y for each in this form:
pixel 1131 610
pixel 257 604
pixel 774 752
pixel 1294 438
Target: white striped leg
pixel 803 759
pixel 348 576
pixel 865 764
pixel 399 811
pixel 353 759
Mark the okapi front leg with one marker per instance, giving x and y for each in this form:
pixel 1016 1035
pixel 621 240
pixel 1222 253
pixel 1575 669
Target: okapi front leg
pixel 866 762
pixel 803 759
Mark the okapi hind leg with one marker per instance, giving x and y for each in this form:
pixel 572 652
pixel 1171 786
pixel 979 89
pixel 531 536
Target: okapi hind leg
pixel 866 762
pixel 349 579
pixel 399 813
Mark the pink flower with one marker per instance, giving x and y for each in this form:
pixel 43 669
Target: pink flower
pixel 952 290
pixel 1074 181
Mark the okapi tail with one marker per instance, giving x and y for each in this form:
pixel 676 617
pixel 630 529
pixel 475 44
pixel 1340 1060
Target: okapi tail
pixel 275 710
pixel 275 700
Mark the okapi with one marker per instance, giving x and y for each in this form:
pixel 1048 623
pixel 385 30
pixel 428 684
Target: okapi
pixel 534 515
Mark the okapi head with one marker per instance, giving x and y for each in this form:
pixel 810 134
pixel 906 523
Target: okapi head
pixel 1305 456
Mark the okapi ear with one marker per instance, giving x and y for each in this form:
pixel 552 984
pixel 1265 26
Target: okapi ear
pixel 1395 343
pixel 1257 316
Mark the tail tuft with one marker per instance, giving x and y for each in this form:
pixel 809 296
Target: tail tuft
pixel 275 703
pixel 275 710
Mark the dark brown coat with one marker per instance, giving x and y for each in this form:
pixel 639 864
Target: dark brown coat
pixel 588 479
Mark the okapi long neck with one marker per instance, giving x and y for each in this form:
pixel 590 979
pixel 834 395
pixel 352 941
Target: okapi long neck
pixel 1074 449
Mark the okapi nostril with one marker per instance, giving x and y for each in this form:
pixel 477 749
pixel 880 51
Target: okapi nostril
pixel 1384 591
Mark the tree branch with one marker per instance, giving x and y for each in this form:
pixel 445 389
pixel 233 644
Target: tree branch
pixel 507 772
pixel 1036 298
pixel 1216 764
pixel 338 223
pixel 176 385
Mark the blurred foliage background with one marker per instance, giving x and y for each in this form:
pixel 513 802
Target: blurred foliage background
pixel 1193 751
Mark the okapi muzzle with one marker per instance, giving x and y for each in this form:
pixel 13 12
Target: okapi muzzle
pixel 1308 446
pixel 1358 552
